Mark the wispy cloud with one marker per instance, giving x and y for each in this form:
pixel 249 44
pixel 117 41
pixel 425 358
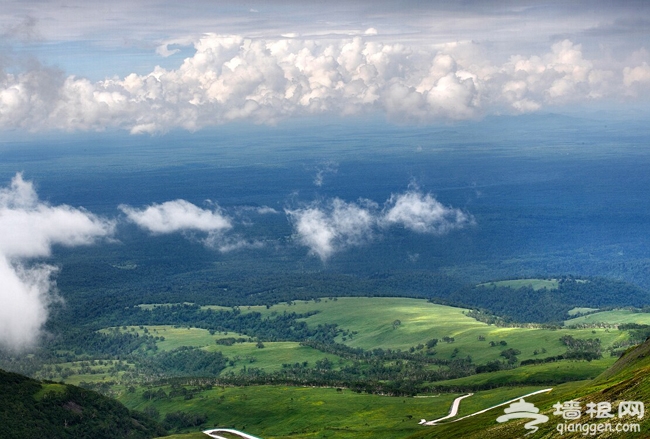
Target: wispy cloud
pixel 329 227
pixel 421 213
pixel 323 170
pixel 175 216
pixel 333 226
pixel 183 216
pixel 29 228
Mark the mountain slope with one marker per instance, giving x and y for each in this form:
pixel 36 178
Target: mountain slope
pixel 31 409
pixel 627 380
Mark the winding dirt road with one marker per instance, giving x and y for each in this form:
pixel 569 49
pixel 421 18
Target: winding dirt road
pixel 214 433
pixel 453 411
pixel 454 407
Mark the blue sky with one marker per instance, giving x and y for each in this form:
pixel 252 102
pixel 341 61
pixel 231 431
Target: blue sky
pixel 152 66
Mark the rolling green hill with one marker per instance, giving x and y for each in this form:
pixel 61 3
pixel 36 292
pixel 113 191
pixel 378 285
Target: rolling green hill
pixel 33 409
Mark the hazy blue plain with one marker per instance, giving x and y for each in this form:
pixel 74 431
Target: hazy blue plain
pixel 550 194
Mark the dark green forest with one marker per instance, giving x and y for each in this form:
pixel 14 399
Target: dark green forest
pixel 31 409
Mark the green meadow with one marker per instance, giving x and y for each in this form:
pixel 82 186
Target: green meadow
pixel 279 412
pixel 535 284
pixel 284 412
pixel 371 321
pixel 534 374
pixel 614 317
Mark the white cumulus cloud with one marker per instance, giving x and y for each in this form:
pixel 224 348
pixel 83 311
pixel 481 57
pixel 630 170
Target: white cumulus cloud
pixel 421 213
pixel 329 227
pixel 175 216
pixel 265 80
pixel 183 216
pixel 326 229
pixel 28 229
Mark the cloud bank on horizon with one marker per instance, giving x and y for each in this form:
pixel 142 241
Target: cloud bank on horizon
pixel 29 230
pixel 279 60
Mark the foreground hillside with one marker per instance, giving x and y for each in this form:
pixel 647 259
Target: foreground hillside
pixel 32 409
pixel 627 380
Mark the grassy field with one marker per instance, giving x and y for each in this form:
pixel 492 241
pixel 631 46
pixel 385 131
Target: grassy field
pixel 272 356
pixel 535 284
pixel 370 323
pixel 177 336
pixel 613 317
pixel 277 412
pixel 578 310
pixel 626 380
pixel 535 374
pixel 282 412
pixel 372 319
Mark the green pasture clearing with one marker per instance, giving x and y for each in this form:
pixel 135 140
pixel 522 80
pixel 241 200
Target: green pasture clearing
pixel 177 336
pixel 49 388
pixel 77 379
pixel 535 284
pixel 577 311
pixel 419 321
pixel 274 412
pixel 150 306
pixel 534 374
pixel 76 372
pixel 272 356
pixel 614 317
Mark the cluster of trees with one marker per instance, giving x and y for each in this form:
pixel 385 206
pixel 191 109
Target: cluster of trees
pixel 179 420
pixel 582 349
pixel 184 361
pixel 280 327
pixel 525 304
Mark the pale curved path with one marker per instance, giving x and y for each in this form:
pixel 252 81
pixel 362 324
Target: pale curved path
pixel 453 411
pixel 214 433
pixel 454 407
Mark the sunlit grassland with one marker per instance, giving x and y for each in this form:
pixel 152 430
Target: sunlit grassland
pixel 177 336
pixel 374 321
pixel 534 374
pixel 371 323
pixel 274 412
pixel 481 425
pixel 272 356
pixel 614 317
pixel 580 310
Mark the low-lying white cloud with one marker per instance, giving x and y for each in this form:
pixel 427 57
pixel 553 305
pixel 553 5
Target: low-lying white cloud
pixel 421 213
pixel 28 229
pixel 175 216
pixel 327 228
pixel 265 80
pixel 183 216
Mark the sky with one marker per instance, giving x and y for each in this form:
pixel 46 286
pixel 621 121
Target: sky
pixel 150 66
